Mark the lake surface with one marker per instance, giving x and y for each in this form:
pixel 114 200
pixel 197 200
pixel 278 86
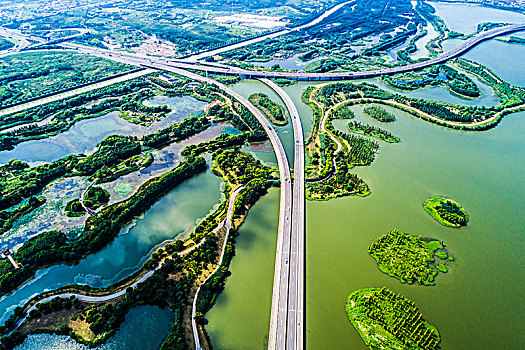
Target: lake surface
pixel 145 327
pixel 481 171
pixel 500 57
pixel 465 18
pixel 174 214
pixel 476 304
pixel 241 316
pixel 84 136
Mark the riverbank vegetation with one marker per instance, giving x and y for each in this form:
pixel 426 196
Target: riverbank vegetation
pixel 273 111
pixel 386 320
pixel 128 98
pixel 96 197
pixel 408 258
pixel 331 154
pixel 9 217
pixel 446 211
pixel 54 247
pixel 182 265
pixel 441 113
pixel 354 38
pixel 437 75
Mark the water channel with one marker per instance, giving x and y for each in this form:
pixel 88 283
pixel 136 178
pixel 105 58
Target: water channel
pixel 476 305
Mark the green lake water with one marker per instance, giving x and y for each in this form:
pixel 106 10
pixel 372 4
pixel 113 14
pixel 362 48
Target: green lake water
pixel 241 317
pixel 476 304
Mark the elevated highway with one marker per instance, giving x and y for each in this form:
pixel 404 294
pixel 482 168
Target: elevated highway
pixel 287 316
pixel 244 73
pixel 285 227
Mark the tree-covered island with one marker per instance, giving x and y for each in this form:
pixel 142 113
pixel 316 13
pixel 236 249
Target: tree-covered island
pixel 386 320
pixel 273 111
pixel 446 211
pixel 408 258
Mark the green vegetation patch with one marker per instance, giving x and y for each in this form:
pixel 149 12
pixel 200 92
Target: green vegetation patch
pixel 372 131
pixel 406 257
pixel 446 211
pixel 379 114
pixel 271 110
pixel 386 320
pixel 31 74
pixel 96 197
pixel 74 208
pixel 9 217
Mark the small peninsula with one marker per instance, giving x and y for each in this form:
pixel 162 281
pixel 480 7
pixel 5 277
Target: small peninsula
pixel 408 258
pixel 386 320
pixel 271 110
pixel 446 211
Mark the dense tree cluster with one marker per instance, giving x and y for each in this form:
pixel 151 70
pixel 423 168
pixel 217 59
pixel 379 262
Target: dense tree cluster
pixel 380 114
pixel 30 74
pixel 239 167
pixel 406 257
pixel 372 131
pixel 96 197
pixel 387 320
pixel 273 111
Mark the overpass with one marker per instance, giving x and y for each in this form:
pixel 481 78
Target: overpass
pixel 285 211
pixel 251 74
pixel 287 316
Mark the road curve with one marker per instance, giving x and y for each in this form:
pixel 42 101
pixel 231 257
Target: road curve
pixel 225 223
pixel 228 224
pixel 292 329
pixel 220 69
pixel 285 215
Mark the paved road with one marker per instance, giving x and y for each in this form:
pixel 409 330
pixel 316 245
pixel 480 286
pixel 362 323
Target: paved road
pixel 221 69
pixel 317 20
pixel 225 223
pixel 289 333
pixel 228 224
pixel 67 94
pixel 285 226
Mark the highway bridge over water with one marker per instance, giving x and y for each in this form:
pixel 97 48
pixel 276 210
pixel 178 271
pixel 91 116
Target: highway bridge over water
pixel 287 317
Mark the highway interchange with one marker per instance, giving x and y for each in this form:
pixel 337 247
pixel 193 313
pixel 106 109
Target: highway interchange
pixel 287 315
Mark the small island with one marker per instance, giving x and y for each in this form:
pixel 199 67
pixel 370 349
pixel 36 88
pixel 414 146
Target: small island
pixel 271 110
pixel 74 209
pixel 94 198
pixel 372 131
pixel 409 258
pixel 379 114
pixel 446 211
pixel 386 320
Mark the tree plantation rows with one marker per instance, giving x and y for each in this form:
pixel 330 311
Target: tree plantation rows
pixel 387 320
